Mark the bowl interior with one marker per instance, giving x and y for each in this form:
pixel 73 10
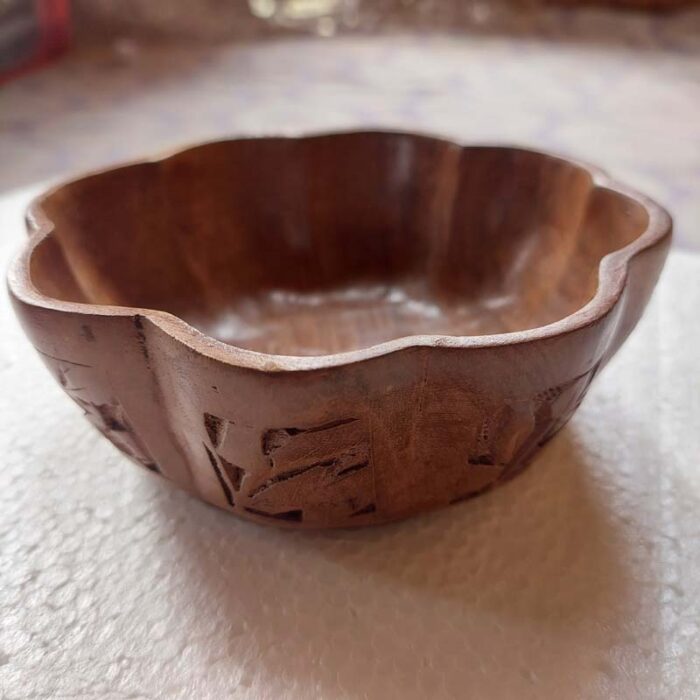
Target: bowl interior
pixel 332 243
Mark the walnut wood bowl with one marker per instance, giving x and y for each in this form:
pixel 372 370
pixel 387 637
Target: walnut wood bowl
pixel 335 330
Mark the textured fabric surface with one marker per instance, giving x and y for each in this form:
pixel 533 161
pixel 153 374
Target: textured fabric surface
pixel 578 579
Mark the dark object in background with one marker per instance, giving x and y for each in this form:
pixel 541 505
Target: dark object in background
pixel 31 33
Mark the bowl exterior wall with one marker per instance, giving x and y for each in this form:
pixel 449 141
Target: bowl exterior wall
pixel 366 442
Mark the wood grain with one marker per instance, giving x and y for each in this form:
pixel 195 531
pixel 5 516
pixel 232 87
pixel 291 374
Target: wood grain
pixel 336 330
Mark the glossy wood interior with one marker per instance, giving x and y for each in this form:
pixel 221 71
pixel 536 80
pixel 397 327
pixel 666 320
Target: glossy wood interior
pixel 334 243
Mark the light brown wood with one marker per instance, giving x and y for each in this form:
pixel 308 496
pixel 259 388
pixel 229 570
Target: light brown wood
pixel 336 330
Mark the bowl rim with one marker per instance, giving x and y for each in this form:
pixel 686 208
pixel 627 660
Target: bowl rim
pixel 612 271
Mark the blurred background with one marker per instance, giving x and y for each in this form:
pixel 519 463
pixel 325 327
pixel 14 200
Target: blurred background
pixel 89 83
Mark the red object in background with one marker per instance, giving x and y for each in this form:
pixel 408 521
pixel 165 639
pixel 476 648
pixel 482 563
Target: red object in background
pixel 31 33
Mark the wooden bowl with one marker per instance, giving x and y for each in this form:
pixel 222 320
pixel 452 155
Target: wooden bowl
pixel 336 330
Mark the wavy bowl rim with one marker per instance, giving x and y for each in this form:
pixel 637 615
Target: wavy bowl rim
pixel 612 272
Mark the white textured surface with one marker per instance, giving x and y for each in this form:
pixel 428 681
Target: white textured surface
pixel 580 579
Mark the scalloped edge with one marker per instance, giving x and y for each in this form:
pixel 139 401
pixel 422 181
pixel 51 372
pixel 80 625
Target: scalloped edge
pixel 612 276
